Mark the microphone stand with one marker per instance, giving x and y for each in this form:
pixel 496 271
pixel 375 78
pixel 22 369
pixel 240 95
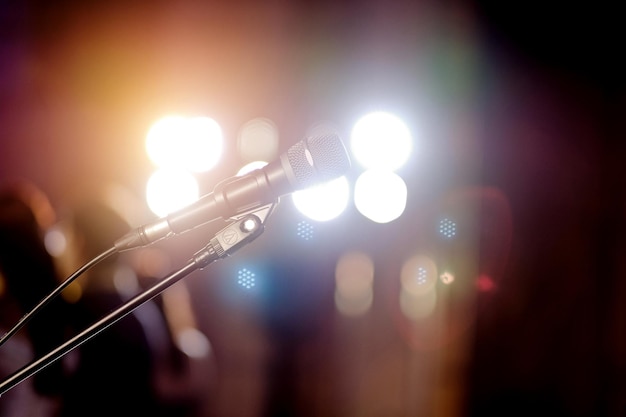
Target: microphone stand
pixel 237 234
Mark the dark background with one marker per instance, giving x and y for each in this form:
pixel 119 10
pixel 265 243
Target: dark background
pixel 519 111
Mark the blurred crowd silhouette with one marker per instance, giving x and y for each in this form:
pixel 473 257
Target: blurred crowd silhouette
pixel 27 274
pixel 136 366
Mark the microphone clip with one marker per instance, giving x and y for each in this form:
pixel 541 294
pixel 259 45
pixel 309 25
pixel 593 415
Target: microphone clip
pixel 244 228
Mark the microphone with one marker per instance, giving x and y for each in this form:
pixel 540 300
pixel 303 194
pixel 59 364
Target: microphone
pixel 313 160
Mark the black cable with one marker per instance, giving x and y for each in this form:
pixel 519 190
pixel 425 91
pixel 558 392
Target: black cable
pixel 26 318
pixel 200 260
pixel 225 242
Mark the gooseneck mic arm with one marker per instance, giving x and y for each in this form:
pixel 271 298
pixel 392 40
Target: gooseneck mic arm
pixel 225 242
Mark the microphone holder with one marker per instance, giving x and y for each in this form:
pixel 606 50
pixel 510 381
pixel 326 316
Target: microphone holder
pixel 244 229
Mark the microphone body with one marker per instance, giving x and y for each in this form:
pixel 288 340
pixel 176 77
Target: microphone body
pixel 308 162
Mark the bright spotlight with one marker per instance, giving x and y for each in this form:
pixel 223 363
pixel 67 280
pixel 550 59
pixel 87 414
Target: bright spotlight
pixel 194 144
pixel 380 195
pixel 203 140
pixel 169 190
pixel 381 140
pixel 325 201
pixel 161 139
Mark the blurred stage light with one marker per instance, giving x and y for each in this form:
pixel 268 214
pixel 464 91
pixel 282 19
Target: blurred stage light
pixel 191 143
pixel 169 190
pixel 193 343
pixel 418 295
pixel 447 228
pixel 325 201
pixel 258 140
pixel 354 306
pixel 485 283
pixel 125 281
pixel 162 137
pixel 354 278
pixel 416 307
pixel 447 278
pixel 305 230
pixel 246 278
pixel 380 195
pixel 55 241
pixel 419 275
pixel 381 140
pixel 248 168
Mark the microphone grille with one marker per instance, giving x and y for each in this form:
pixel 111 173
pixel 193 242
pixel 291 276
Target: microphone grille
pixel 318 158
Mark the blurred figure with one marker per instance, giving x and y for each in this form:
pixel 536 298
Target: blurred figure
pixel 133 367
pixel 27 274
